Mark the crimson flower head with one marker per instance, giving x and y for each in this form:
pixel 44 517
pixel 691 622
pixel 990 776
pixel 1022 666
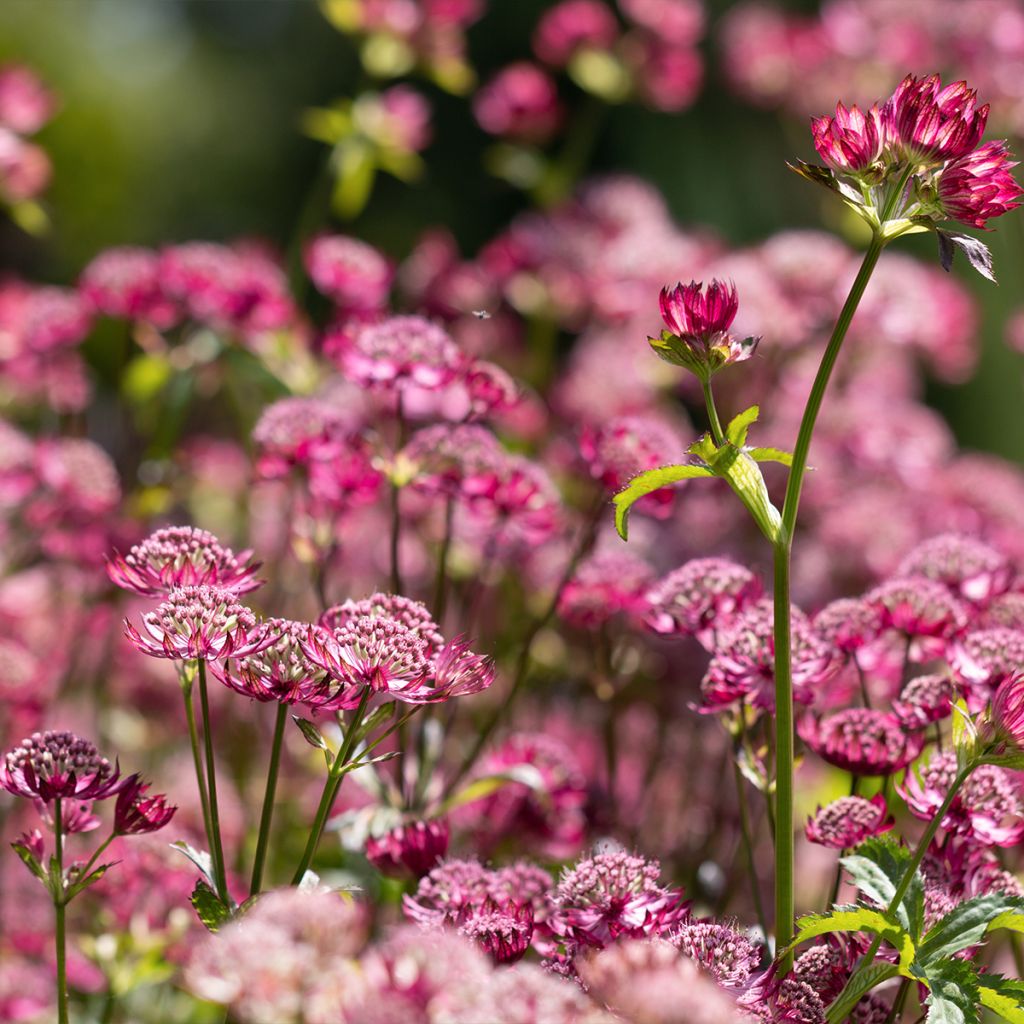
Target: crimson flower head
pixel 862 741
pixel 927 124
pixel 851 141
pixel 411 849
pixel 199 624
pixel 1008 711
pixel 698 321
pixel 58 766
pixel 399 353
pixel 502 930
pixel 182 556
pixel 136 813
pixel 979 186
pixel 848 821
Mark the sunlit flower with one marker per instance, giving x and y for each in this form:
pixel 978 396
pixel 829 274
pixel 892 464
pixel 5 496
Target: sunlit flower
pixel 125 283
pixel 58 765
pixel 979 186
pixel 1008 710
pixel 924 700
pixel 412 614
pixel 861 740
pixel 849 623
pixel 199 623
pixel 972 569
pixel 355 275
pixel 851 141
pixel 984 659
pixel 848 821
pixel 502 930
pixel 409 849
pixel 136 813
pixel 400 352
pixel 921 609
pixel 449 460
pixel 720 949
pixel 182 556
pixel 604 585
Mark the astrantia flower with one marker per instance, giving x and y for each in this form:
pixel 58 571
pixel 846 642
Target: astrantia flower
pixel 411 849
pixel 613 895
pixel 502 930
pixel 182 556
pixel 604 585
pixel 848 821
pixel 921 609
pixel 983 659
pixel 136 813
pixel 458 672
pixel 401 352
pixel 743 665
pixel 851 141
pixel 58 765
pixel 199 623
pixel 280 671
pixel 448 459
pixel 987 809
pixel 849 623
pixel 698 322
pixel 925 699
pixel 720 949
pixel 354 275
pixel 412 614
pixel 1008 711
pixel 701 597
pixel 972 569
pixel 519 495
pixel 125 283
pixel 861 740
pixel 520 102
pixel 571 26
pixel 926 123
pixel 76 817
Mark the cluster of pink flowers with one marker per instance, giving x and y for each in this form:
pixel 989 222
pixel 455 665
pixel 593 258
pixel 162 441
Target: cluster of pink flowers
pixel 26 105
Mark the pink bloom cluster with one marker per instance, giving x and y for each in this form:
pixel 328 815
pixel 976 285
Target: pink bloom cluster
pixel 26 105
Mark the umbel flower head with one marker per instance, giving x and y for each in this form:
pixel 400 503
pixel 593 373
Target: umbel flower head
pixel 136 813
pixel 182 556
pixel 58 765
pixel 698 321
pixel 1007 715
pixel 199 624
pixel 848 821
pixel 862 741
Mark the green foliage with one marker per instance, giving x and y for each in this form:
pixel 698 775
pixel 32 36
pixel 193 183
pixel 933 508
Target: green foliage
pixel 877 868
pixel 1003 996
pixel 209 907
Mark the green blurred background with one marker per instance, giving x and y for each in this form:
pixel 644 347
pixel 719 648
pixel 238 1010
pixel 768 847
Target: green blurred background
pixel 180 120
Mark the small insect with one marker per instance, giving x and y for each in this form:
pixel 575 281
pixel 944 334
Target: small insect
pixel 481 314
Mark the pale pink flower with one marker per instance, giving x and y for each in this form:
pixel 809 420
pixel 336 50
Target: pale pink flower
pixel 353 274
pixel 399 353
pixel 861 740
pixel 25 103
pixel 848 821
pixel 520 102
pixel 571 26
pixel 124 282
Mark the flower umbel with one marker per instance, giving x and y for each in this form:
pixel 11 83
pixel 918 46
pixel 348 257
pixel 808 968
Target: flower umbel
pixel 58 765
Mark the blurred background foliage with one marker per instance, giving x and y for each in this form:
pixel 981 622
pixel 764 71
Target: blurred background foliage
pixel 181 119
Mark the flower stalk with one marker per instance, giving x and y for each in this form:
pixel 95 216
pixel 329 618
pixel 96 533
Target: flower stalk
pixel 267 814
pixel 216 845
pixel 59 907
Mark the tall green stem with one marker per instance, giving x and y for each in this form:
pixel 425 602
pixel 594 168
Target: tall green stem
pixel 331 787
pixel 216 846
pixel 716 424
pixel 785 907
pixel 197 759
pixel 267 815
pixel 844 1004
pixel 59 907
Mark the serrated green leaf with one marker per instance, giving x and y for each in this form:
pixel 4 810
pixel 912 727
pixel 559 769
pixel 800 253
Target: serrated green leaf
pixel 209 907
pixel 1004 996
pixel 647 483
pixel 1010 921
pixel 874 883
pixel 955 993
pixel 893 859
pixel 736 431
pixel 859 985
pixel 965 925
pixel 771 455
pixel 480 788
pixel 861 919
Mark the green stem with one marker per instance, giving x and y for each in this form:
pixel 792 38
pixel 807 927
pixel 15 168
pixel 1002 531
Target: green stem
pixel 717 434
pixel 267 815
pixel 748 843
pixel 844 1003
pixel 217 847
pixel 84 873
pixel 197 760
pixel 59 907
pixel 897 1004
pixel 785 906
pixel 331 787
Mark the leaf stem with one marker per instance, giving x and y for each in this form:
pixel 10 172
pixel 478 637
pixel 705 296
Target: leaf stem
pixel 717 434
pixel 267 814
pixel 217 847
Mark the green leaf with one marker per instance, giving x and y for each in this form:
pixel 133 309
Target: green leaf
pixel 200 858
pixel 1003 996
pixel 647 483
pixel 892 860
pixel 771 455
pixel 858 986
pixel 736 431
pixel 1010 921
pixel 488 784
pixel 965 925
pixel 310 733
pixel 210 909
pixel 90 879
pixel 977 252
pixel 965 733
pixel 1012 759
pixel 814 173
pixel 861 919
pixel 28 858
pixel 955 993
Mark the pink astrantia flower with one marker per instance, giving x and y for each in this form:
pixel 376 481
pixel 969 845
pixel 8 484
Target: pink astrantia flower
pixel 136 813
pixel 698 321
pixel 280 671
pixel 988 808
pixel 983 659
pixel 125 283
pixel 354 275
pixel 199 623
pixel 728 955
pixel 979 186
pixel 743 665
pixel 458 672
pixel 848 821
pixel 573 25
pixel 1008 711
pixel 76 816
pixel 861 740
pixel 502 930
pixel 973 570
pixel 400 352
pixel 450 459
pixel 414 615
pixel 605 585
pixel 613 895
pixel 25 103
pixel 490 389
pixel 921 609
pixel 849 623
pixel 924 700
pixel 851 141
pixel 519 496
pixel 409 850
pixel 926 123
pixel 520 102
pixel 58 765
pixel 182 556
pixel 700 598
